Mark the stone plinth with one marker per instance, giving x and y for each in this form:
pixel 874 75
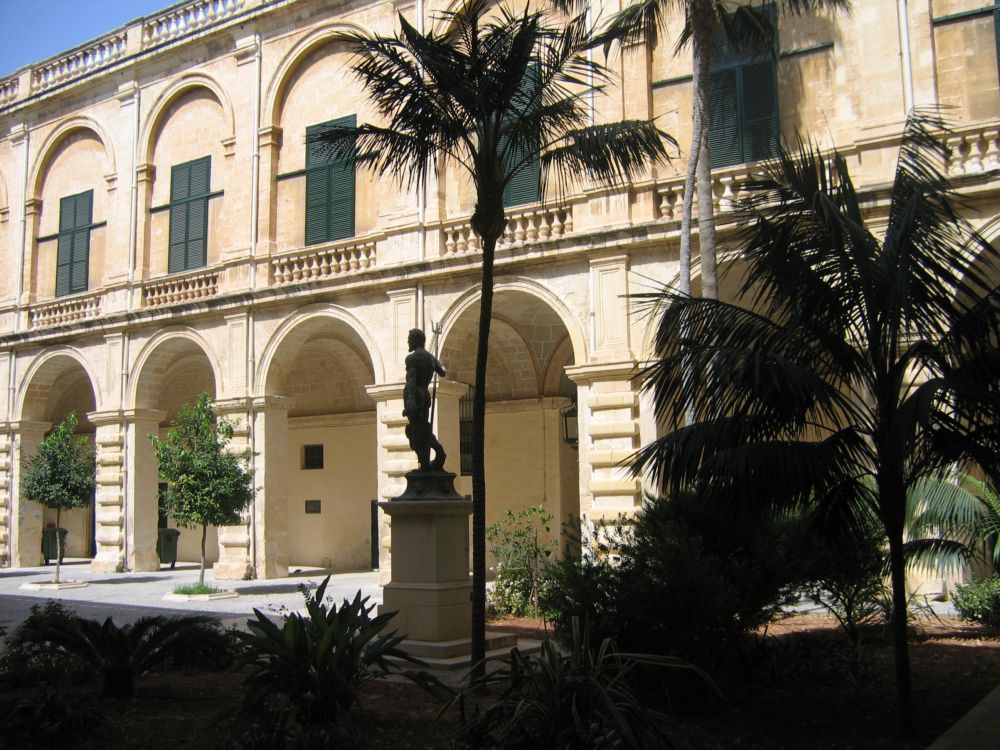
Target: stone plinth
pixel 430 588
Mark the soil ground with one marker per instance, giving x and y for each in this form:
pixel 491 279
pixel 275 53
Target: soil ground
pixel 793 691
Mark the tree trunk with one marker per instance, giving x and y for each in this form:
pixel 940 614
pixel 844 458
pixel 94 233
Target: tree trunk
pixel 59 551
pixel 897 567
pixel 703 23
pixel 478 646
pixel 201 573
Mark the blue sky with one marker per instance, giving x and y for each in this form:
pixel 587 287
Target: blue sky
pixel 32 30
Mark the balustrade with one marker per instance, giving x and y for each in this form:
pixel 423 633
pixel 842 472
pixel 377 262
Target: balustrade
pixel 64 311
pixel 323 262
pixel 78 62
pixel 179 289
pixel 533 225
pixel 187 18
pixel 9 89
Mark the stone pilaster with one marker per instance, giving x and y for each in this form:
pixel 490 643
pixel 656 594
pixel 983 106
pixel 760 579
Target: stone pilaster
pixel 141 497
pixel 5 500
pixel 109 498
pixel 609 433
pixel 25 524
pixel 446 421
pixel 394 459
pixel 235 553
pixel 270 512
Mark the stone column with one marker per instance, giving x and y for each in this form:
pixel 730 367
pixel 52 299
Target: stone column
pixel 141 497
pixel 270 517
pixel 25 522
pixel 608 405
pixel 109 499
pixel 394 459
pixel 234 562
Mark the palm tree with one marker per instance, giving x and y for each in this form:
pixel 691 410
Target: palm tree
pixel 492 97
pixel 747 26
pixel 869 365
pixel 954 519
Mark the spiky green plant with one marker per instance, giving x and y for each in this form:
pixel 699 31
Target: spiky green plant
pixel 308 670
pixel 123 654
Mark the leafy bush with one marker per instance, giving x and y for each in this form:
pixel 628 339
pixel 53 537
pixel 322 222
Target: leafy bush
pixel 692 579
pixel 521 560
pixel 849 582
pixel 979 601
pixel 25 662
pixel 584 698
pixel 306 674
pixel 122 654
pixel 53 718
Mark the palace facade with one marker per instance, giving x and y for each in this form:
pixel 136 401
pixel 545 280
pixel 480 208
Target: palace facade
pixel 165 230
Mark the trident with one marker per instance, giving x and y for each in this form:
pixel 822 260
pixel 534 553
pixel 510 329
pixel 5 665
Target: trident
pixel 436 329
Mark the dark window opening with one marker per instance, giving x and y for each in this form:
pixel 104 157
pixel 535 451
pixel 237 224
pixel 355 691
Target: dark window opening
pixel 312 457
pixel 314 506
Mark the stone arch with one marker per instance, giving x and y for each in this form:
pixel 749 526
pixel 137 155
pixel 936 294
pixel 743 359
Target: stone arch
pixel 278 86
pixel 158 355
pixel 533 288
pixel 34 396
pixel 186 83
pixel 55 138
pixel 295 329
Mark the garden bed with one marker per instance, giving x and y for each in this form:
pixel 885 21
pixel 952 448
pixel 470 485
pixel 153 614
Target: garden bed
pixel 789 693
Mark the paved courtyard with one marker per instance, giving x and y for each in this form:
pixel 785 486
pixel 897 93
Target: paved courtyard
pixel 128 596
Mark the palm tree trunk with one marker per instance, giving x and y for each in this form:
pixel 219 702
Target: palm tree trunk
pixel 703 23
pixel 59 551
pixel 897 572
pixel 478 646
pixel 201 573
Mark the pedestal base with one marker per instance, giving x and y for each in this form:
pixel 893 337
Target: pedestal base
pixel 430 588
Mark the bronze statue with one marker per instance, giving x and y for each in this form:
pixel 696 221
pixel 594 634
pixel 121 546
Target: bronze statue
pixel 420 368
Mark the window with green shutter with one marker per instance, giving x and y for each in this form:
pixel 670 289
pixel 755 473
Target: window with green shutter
pixel 190 184
pixel 76 214
pixel 329 187
pixel 742 104
pixel 525 186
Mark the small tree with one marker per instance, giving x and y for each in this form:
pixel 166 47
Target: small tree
pixel 206 484
pixel 61 474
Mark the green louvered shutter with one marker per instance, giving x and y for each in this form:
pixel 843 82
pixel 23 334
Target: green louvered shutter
pixel 525 186
pixel 73 243
pixel 724 137
pixel 742 104
pixel 330 188
pixel 759 99
pixel 190 184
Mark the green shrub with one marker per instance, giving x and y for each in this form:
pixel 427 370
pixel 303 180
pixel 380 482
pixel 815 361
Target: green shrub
pixel 24 662
pixel 582 698
pixel 123 654
pixel 979 601
pixel 691 579
pixel 521 560
pixel 306 673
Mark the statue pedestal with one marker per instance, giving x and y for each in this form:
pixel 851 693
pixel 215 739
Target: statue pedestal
pixel 430 588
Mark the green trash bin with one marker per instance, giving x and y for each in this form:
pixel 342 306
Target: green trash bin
pixel 49 548
pixel 166 546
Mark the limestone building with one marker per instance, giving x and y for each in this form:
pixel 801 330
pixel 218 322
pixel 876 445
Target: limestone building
pixel 164 230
